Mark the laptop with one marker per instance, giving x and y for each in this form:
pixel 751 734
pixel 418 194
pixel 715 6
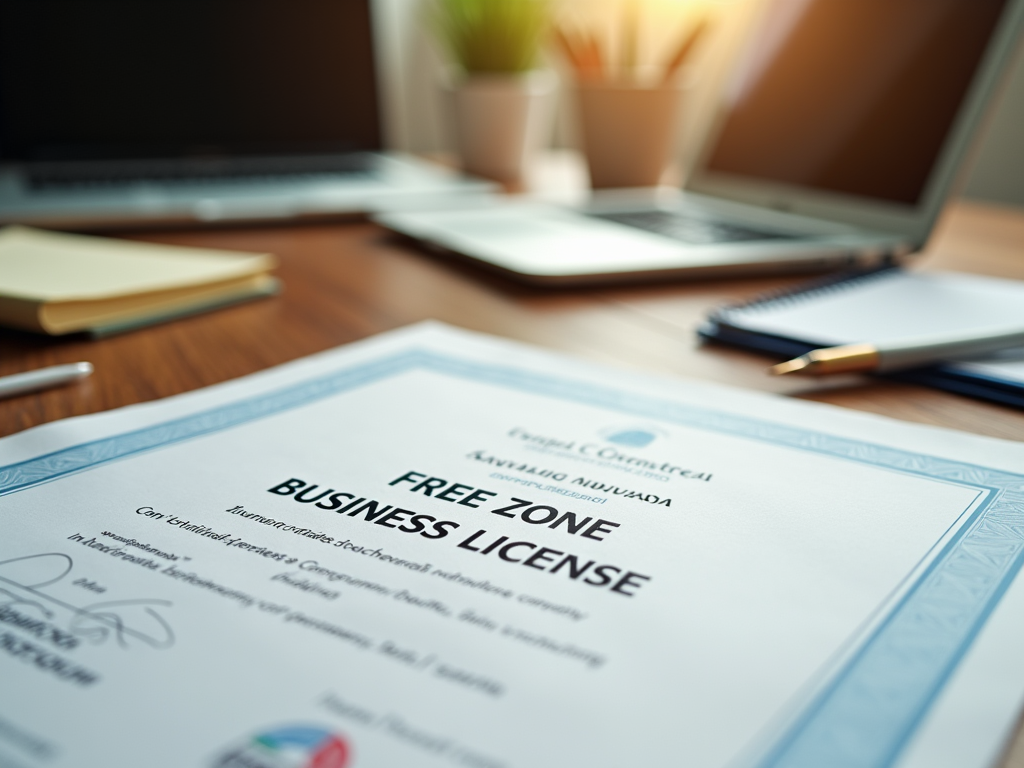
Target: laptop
pixel 116 113
pixel 835 144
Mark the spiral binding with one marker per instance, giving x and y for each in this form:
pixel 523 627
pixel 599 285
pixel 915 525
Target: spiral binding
pixel 808 290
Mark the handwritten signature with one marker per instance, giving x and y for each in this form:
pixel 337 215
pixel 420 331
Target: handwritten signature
pixel 128 622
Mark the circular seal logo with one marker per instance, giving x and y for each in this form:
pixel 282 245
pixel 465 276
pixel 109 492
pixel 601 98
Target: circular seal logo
pixel 294 746
pixel 632 436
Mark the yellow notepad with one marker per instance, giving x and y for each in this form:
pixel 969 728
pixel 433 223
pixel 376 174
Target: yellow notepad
pixel 59 283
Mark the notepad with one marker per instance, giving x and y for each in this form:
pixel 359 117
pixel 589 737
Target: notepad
pixel 60 283
pixel 885 305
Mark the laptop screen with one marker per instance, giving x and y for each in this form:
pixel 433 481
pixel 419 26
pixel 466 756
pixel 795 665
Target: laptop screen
pixel 852 96
pixel 104 79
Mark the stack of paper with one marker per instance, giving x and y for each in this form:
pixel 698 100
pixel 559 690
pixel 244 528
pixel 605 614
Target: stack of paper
pixel 441 550
pixel 60 283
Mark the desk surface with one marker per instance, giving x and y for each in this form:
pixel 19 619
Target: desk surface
pixel 347 281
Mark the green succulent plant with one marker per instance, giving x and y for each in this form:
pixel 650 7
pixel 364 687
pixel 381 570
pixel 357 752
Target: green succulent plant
pixel 492 36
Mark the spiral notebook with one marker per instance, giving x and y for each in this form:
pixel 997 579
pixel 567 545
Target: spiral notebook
pixel 882 305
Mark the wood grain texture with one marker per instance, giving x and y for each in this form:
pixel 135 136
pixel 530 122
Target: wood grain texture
pixel 347 281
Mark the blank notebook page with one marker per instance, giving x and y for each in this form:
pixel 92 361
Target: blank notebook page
pixel 893 305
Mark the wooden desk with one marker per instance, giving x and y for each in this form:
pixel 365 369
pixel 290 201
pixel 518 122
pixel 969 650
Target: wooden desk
pixel 347 281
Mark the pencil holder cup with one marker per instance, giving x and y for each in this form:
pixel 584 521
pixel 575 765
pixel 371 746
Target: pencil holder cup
pixel 628 132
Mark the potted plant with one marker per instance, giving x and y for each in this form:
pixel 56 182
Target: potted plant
pixel 501 101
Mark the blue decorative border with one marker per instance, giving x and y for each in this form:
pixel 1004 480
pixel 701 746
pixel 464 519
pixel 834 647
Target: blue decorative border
pixel 866 714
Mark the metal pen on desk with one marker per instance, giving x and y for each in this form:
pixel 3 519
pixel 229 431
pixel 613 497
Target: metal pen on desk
pixel 899 353
pixel 43 378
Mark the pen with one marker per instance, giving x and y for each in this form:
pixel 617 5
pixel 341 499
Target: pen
pixel 683 51
pixel 630 37
pixel 569 49
pixel 583 51
pixel 44 378
pixel 899 353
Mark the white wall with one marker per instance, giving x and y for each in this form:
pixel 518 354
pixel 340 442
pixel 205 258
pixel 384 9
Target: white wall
pixel 409 74
pixel 998 171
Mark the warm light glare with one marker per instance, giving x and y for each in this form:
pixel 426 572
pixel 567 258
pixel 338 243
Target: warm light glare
pixel 638 35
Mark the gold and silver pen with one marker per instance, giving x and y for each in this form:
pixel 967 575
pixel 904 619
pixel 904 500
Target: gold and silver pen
pixel 899 353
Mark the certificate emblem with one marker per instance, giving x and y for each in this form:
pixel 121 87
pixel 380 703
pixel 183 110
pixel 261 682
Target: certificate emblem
pixel 632 436
pixel 294 746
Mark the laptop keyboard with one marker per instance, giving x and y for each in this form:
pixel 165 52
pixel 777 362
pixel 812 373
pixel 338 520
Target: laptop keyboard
pixel 95 175
pixel 692 229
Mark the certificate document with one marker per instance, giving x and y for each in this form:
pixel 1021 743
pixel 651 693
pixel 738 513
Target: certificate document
pixel 434 548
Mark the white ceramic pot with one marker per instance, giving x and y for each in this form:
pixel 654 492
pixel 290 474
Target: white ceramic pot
pixel 501 122
pixel 628 133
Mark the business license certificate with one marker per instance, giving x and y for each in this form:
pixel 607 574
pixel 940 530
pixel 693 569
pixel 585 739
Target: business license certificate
pixel 438 549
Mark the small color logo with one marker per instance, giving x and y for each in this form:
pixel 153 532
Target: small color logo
pixel 631 437
pixel 296 746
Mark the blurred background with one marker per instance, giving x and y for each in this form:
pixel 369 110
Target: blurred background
pixel 413 68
